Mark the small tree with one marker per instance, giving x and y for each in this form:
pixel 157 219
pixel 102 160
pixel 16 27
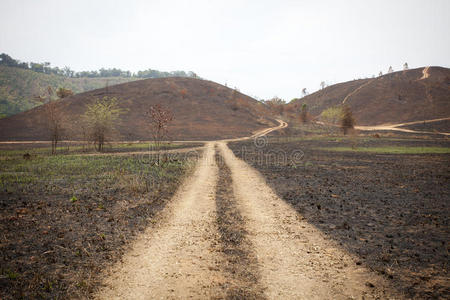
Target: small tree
pixel 380 74
pixel 159 118
pixel 100 120
pixel 304 113
pixel 323 85
pixel 347 121
pixel 390 69
pixel 54 117
pixel 63 93
pixel 331 118
pixel 405 66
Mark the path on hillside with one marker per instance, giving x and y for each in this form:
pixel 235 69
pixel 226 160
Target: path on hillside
pixel 357 90
pixel 396 127
pixel 425 73
pixel 179 256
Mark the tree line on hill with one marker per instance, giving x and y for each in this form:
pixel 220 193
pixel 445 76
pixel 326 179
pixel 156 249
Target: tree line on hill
pixel 6 60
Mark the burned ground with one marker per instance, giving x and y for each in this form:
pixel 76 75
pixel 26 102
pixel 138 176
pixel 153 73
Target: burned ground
pixel 389 210
pixel 65 218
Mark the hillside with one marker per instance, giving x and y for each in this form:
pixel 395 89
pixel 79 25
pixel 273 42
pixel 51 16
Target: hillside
pixel 202 110
pixel 19 87
pixel 411 95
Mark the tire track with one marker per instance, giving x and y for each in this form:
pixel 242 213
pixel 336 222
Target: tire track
pixel 239 262
pixel 296 260
pixel 174 259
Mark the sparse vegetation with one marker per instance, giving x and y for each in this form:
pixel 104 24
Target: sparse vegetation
pixel 331 118
pixel 21 82
pixel 304 117
pixel 276 105
pixel 49 205
pixel 63 93
pixel 100 119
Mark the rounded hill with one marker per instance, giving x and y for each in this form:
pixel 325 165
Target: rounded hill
pixel 405 96
pixel 202 110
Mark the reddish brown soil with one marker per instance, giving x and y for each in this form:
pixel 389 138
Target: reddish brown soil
pixel 392 98
pixel 203 110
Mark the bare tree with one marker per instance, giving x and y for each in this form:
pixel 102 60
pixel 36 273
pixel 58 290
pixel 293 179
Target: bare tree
pixel 54 117
pixel 304 92
pixel 159 118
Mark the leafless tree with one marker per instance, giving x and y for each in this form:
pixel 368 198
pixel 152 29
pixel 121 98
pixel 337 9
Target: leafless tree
pixel 54 117
pixel 159 117
pixel 304 92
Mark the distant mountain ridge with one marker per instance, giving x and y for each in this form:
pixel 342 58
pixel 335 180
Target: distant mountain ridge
pixel 19 87
pixel 404 96
pixel 21 82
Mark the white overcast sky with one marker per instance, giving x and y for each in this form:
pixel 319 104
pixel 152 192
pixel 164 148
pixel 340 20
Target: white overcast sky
pixel 265 48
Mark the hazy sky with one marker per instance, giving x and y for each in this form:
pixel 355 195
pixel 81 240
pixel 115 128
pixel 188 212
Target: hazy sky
pixel 265 48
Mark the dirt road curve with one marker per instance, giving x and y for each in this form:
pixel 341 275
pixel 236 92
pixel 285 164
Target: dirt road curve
pixel 397 127
pixel 178 257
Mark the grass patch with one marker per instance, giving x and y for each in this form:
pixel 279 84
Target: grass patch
pixel 72 215
pixel 390 150
pixel 80 149
pixel 67 173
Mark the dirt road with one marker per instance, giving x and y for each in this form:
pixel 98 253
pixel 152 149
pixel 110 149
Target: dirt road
pixel 397 127
pixel 357 90
pixel 425 73
pixel 262 244
pixel 173 259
